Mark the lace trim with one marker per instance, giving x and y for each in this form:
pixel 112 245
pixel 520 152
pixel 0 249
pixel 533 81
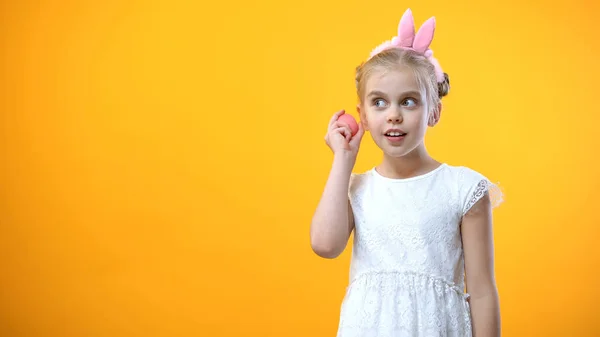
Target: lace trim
pixel 494 191
pixel 479 192
pixel 436 279
pixel 410 316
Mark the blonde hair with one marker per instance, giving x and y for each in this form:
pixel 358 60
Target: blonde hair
pixel 422 69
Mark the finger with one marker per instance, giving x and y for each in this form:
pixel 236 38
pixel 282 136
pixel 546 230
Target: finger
pixel 344 131
pixel 338 124
pixel 355 141
pixel 337 127
pixel 335 117
pixel 347 131
pixel 332 133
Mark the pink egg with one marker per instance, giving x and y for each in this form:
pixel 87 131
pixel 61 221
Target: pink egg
pixel 350 122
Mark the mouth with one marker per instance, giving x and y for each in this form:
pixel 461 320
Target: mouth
pixel 395 134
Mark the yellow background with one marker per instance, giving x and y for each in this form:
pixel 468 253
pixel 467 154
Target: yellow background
pixel 161 160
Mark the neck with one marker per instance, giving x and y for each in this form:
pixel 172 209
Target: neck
pixel 412 164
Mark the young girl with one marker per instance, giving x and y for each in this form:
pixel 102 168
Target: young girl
pixel 419 225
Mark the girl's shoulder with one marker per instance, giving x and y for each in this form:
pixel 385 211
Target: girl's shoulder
pixel 472 185
pixel 464 183
pixel 356 180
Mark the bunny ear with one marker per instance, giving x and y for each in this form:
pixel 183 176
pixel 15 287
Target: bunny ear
pixel 424 36
pixel 406 29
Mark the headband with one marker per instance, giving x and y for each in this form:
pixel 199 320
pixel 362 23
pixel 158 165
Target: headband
pixel 419 42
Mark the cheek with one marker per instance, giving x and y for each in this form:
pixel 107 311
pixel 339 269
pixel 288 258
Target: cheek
pixel 413 117
pixel 369 117
pixel 377 121
pixel 418 121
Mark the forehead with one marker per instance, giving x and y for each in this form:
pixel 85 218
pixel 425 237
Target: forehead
pixel 392 81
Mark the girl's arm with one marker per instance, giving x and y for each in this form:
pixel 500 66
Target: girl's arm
pixel 478 248
pixel 333 221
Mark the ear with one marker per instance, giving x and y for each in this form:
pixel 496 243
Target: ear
pixel 434 116
pixel 363 117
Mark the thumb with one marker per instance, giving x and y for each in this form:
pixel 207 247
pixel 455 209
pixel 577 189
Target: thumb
pixel 355 141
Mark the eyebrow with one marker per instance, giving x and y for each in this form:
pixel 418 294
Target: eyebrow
pixel 407 93
pixel 375 93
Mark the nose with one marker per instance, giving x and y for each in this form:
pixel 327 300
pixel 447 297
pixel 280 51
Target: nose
pixel 395 116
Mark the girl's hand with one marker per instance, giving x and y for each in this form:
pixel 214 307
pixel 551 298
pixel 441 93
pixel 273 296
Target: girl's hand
pixel 339 137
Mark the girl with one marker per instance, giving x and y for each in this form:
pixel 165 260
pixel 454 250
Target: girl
pixel 418 223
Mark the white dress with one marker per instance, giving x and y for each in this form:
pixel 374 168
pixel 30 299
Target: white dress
pixel 407 267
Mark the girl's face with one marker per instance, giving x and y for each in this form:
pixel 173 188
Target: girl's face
pixel 395 111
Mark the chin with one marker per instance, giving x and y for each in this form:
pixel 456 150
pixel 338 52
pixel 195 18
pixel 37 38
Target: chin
pixel 396 151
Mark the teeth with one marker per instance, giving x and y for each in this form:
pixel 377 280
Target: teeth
pixel 394 134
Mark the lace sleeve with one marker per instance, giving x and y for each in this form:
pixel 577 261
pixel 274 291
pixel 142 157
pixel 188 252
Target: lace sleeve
pixel 474 186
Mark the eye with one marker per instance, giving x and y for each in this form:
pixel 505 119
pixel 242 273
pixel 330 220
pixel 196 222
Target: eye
pixel 409 102
pixel 379 103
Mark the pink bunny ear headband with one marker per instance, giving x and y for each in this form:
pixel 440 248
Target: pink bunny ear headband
pixel 419 42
